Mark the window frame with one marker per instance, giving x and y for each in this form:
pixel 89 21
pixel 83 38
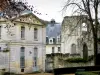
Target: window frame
pixel 35 34
pixel 0 31
pixel 22 33
pixel 22 57
pixel 35 57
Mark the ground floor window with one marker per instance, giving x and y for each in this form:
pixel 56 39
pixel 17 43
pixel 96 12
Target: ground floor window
pixel 22 70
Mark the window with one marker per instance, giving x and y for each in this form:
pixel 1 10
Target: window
pixel 22 70
pixel 35 56
pixel 54 41
pixel 58 49
pixel 0 49
pixel 35 52
pixel 58 40
pixel 22 57
pixel 73 49
pixel 22 32
pixel 0 32
pixel 85 51
pixel 52 49
pixel 47 40
pixel 35 33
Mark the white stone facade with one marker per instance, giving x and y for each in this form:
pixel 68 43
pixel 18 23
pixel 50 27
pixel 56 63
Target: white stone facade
pixel 14 42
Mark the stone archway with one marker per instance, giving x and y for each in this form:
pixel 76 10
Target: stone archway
pixel 85 51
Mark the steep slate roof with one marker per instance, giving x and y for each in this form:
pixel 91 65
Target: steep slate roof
pixel 53 31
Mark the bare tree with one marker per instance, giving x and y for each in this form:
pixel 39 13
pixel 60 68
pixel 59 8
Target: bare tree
pixel 91 9
pixel 11 8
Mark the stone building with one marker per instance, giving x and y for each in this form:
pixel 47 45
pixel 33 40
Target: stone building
pixel 53 41
pixel 24 37
pixel 53 37
pixel 76 36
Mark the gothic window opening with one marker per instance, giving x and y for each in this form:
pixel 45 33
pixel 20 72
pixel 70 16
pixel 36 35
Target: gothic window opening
pixel 84 27
pixel 85 51
pixel 73 49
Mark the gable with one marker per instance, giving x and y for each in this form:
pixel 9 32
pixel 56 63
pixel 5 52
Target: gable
pixel 30 19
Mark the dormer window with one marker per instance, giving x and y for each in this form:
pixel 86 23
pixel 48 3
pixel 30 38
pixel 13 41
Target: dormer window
pixel 50 41
pixel 47 40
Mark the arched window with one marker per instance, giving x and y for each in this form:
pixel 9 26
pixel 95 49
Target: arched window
pixel 22 32
pixel 35 34
pixel 73 49
pixel 85 51
pixel 84 27
pixel 22 57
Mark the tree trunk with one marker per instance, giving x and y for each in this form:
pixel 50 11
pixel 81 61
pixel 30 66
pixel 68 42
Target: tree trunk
pixel 95 49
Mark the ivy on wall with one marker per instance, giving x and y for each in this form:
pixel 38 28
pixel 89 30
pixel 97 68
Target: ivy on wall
pixel 79 60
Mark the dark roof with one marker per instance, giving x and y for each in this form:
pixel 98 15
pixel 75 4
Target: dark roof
pixel 53 30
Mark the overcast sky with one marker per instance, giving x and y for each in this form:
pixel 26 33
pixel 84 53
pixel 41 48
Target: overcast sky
pixel 50 7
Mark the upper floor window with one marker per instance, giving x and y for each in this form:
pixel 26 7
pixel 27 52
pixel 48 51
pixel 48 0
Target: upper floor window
pixel 0 49
pixel 35 33
pixel 52 49
pixel 47 40
pixel 59 49
pixel 0 31
pixel 58 40
pixel 84 27
pixel 22 32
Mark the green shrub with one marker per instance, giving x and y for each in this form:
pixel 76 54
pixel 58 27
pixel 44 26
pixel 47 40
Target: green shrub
pixel 80 60
pixel 76 60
